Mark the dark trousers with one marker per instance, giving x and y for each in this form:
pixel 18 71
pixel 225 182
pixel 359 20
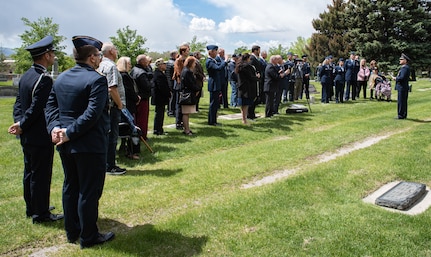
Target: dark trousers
pixel 350 84
pixel 224 94
pixel 214 105
pixel 291 90
pixel 339 91
pixel 37 179
pixel 269 103
pixel 305 88
pixel 325 92
pixel 403 94
pixel 277 98
pixel 361 85
pixel 172 103
pixel 84 178
pixel 159 117
pixel 115 118
pixel 251 113
pixel 178 111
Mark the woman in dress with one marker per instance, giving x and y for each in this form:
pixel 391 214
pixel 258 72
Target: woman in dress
pixel 189 85
pixel 246 86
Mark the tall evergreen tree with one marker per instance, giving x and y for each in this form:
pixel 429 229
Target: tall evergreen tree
pixel 383 29
pixel 331 36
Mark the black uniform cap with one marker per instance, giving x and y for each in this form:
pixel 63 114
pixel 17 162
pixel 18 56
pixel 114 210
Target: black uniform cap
pixel 40 47
pixel 80 41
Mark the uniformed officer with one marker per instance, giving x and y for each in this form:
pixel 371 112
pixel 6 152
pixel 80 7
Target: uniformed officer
pixel 215 72
pixel 326 80
pixel 30 126
pixel 339 81
pixel 402 85
pixel 78 121
pixel 306 70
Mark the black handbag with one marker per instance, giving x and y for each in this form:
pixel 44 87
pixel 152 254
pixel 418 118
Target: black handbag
pixel 185 98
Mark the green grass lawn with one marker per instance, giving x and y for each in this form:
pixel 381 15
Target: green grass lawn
pixel 187 199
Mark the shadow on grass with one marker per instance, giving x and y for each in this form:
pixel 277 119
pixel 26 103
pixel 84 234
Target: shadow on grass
pixel 157 173
pixel 147 240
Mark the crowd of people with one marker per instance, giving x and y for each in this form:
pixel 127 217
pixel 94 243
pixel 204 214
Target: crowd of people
pixel 82 110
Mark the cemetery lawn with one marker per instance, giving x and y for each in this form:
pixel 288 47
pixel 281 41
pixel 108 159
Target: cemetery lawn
pixel 189 198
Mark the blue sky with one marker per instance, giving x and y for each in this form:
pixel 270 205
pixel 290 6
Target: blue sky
pixel 168 23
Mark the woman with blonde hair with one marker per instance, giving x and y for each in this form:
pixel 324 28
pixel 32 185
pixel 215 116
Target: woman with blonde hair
pixel 363 75
pixel 189 85
pixel 124 65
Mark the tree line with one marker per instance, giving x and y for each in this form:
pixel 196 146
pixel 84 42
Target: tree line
pixel 376 29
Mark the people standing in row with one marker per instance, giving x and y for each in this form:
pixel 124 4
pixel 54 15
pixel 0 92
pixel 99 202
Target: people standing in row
pixel 247 80
pixel 200 77
pixel 117 101
pixel 402 86
pixel 362 78
pixel 160 95
pixel 78 121
pixel 30 126
pixel 339 79
pixel 169 73
pixel 215 71
pixel 178 67
pixel 143 83
pixel 124 65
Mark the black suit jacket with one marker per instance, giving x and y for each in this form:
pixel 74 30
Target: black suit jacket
pixel 79 102
pixel 272 78
pixel 34 88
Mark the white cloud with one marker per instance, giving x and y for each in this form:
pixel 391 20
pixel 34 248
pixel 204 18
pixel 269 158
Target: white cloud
pixel 238 24
pixel 197 24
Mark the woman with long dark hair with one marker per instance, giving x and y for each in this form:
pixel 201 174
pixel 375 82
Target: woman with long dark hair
pixel 247 79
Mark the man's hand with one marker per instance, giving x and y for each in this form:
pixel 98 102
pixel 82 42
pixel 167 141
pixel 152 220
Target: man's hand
pixel 15 129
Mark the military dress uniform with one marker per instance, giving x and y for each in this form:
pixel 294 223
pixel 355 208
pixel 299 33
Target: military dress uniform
pixel 215 72
pixel 28 111
pixel 402 85
pixel 79 102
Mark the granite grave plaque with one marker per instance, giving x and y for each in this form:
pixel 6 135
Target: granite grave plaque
pixel 402 196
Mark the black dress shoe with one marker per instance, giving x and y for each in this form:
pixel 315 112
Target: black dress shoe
pixel 51 217
pixel 102 238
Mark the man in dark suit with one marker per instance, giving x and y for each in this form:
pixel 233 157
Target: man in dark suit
pixel 273 76
pixel 215 72
pixel 30 126
pixel 402 86
pixel 255 62
pixel 78 121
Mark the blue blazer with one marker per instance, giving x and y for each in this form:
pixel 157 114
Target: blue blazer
pixel 30 104
pixel 349 68
pixel 79 102
pixel 402 80
pixel 215 74
pixel 339 73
